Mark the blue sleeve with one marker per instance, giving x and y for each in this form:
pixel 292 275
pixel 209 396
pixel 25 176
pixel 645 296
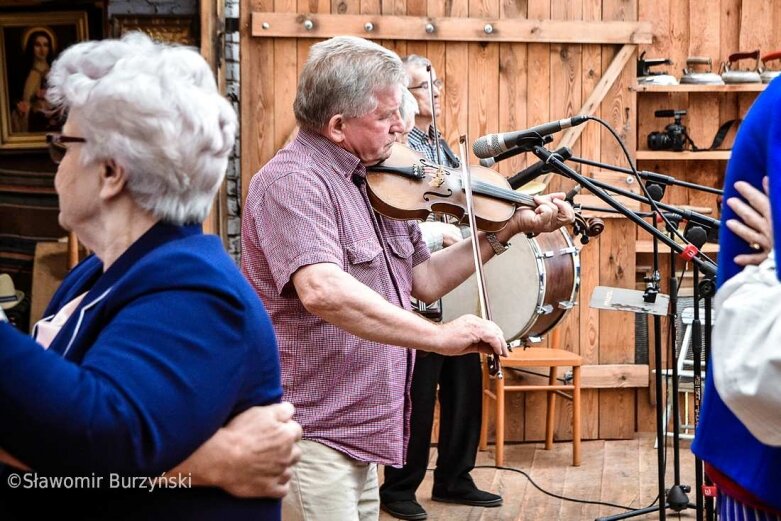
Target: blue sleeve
pixel 161 378
pixel 755 154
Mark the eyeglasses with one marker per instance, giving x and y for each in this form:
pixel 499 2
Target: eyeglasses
pixel 57 148
pixel 437 83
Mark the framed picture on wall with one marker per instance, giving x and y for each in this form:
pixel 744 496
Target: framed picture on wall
pixel 168 29
pixel 29 43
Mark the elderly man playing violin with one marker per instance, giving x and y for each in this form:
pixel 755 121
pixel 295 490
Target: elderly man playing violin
pixel 459 378
pixel 336 279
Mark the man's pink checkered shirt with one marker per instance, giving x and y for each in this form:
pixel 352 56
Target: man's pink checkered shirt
pixel 304 207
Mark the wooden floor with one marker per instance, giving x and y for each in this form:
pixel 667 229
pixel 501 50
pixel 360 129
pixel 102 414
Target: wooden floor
pixel 622 472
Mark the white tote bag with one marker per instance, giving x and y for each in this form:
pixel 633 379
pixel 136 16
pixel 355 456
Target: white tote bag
pixel 746 353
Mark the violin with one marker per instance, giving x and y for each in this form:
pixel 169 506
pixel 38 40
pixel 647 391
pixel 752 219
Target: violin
pixel 407 186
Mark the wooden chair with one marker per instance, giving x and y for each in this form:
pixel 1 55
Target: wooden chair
pixel 534 357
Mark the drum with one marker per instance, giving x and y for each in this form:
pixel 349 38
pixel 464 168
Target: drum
pixel 531 286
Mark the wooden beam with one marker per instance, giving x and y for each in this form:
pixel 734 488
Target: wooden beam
pixel 612 73
pixel 211 16
pixel 600 91
pixel 375 26
pixel 611 376
pixel 601 376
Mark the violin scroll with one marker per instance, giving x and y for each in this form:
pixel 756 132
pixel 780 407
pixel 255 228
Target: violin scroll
pixel 587 227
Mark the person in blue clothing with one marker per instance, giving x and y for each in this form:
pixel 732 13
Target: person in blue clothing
pixel 746 471
pixel 155 341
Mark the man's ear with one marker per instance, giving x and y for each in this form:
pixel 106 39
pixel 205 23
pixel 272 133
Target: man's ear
pixel 112 179
pixel 334 129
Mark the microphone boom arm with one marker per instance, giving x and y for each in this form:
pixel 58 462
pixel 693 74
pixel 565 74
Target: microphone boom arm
pixel 705 265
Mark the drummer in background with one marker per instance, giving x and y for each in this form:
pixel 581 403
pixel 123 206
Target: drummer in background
pixel 337 279
pixel 459 378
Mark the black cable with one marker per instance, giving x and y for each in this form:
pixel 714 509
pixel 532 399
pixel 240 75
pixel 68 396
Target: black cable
pixel 651 201
pixel 557 496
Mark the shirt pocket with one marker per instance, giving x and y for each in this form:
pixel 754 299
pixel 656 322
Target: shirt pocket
pixel 364 262
pixel 401 248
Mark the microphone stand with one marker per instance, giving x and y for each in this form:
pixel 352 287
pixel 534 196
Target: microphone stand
pixel 689 253
pixel 651 177
pixel 676 496
pixel 690 215
pixel 707 289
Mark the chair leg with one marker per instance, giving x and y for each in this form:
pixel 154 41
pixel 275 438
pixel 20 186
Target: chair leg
pixel 499 458
pixel 576 417
pixel 486 398
pixel 550 413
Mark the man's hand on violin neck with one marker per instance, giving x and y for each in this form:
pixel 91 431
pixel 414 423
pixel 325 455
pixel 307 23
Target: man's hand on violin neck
pixel 552 212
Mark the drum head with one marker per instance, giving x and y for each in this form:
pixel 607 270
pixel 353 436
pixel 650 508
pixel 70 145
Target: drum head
pixel 515 283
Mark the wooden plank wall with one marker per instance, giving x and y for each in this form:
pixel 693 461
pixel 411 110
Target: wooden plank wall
pixel 504 86
pixel 705 28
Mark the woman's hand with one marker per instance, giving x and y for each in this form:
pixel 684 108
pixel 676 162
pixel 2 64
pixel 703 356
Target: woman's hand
pixel 755 225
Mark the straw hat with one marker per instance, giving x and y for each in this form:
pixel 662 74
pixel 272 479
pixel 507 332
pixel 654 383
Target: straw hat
pixel 9 296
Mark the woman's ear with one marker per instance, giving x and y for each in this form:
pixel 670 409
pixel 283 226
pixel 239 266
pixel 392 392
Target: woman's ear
pixel 112 179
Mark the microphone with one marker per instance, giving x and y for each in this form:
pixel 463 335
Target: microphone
pixel 494 144
pixel 655 191
pixel 696 235
pixel 491 161
pixel 537 169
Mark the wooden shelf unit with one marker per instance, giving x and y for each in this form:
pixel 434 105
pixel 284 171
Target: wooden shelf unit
pixel 736 87
pixel 647 246
pixel 668 155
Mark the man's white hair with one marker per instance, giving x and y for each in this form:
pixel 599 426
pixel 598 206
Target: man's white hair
pixel 155 110
pixel 340 77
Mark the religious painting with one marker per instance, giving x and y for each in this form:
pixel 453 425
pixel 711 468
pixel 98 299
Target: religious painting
pixel 29 43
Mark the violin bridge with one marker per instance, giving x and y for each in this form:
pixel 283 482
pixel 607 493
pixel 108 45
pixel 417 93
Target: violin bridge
pixel 438 179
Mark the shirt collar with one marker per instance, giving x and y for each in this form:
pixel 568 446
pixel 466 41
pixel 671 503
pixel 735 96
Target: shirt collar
pixel 343 162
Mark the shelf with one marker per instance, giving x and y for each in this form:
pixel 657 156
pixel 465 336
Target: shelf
pixel 744 87
pixel 647 246
pixel 666 155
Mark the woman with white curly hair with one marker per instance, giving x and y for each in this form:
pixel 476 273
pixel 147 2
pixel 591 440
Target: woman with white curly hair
pixel 155 341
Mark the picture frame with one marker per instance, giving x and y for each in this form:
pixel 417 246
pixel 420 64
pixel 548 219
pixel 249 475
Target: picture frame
pixel 167 29
pixel 29 43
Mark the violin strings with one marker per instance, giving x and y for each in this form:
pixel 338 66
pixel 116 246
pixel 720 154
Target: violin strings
pixel 488 189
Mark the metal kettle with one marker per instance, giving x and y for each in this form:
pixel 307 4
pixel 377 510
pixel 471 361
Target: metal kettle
pixel 730 73
pixel 767 75
pixel 648 77
pixel 690 76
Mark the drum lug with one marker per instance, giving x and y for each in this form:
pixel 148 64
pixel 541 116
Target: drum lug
pixel 546 254
pixel 545 310
pixel 566 304
pixel 567 251
pixel 532 340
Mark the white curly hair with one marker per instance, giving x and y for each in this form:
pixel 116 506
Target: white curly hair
pixel 154 109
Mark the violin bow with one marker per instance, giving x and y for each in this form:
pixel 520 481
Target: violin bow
pixel 494 366
pixel 430 72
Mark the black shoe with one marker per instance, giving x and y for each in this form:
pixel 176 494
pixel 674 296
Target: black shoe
pixel 405 509
pixel 475 498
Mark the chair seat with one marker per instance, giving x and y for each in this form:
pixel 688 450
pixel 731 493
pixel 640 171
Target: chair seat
pixel 541 357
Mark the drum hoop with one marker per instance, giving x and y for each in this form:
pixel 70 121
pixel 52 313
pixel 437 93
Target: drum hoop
pixel 541 287
pixel 575 265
